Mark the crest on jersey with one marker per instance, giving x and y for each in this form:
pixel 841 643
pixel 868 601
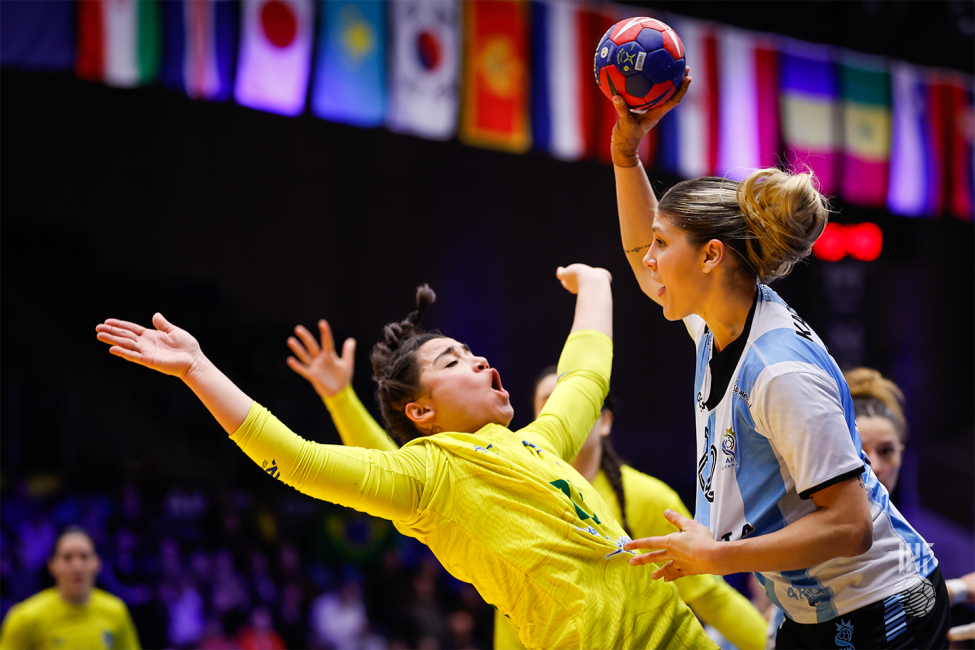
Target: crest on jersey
pixel 844 635
pixel 729 447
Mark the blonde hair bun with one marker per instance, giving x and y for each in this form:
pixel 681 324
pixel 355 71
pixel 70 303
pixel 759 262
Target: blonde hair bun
pixel 785 214
pixel 876 396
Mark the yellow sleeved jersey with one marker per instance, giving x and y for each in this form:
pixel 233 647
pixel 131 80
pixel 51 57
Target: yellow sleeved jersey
pixel 46 621
pixel 715 601
pixel 506 512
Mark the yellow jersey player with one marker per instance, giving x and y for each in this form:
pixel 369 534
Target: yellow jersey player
pixel 500 509
pixel 73 613
pixel 635 499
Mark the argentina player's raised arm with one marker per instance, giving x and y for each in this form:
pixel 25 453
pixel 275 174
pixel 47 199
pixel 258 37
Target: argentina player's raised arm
pixel 634 195
pixel 384 484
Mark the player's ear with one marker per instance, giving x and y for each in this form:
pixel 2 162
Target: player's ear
pixel 713 253
pixel 421 415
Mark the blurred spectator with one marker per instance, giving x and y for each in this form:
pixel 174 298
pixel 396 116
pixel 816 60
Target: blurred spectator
pixel 338 620
pixel 259 634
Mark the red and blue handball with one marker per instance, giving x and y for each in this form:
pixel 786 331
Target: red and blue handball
pixel 642 60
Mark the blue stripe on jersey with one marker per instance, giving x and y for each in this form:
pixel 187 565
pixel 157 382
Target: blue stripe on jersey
pixel 702 507
pixel 769 587
pixel 811 589
pixel 760 494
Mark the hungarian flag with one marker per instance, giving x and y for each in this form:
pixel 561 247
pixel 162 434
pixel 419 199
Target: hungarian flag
pixel 917 147
pixel 425 80
pixel 748 127
pixel 119 41
pixel 689 134
pixel 961 155
pixel 496 84
pixel 37 35
pixel 274 60
pixel 200 44
pixel 865 86
pixel 350 71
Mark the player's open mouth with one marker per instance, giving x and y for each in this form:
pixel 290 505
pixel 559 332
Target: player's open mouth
pixel 496 383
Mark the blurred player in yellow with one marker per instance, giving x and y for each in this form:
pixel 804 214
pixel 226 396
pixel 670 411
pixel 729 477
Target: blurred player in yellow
pixel 644 497
pixel 502 510
pixel 73 613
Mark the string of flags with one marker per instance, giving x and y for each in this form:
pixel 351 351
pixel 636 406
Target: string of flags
pixel 516 75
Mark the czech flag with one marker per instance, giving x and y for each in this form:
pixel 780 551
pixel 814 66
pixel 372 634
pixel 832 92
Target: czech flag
pixel 748 126
pixel 350 71
pixel 917 148
pixel 688 135
pixel 865 86
pixel 275 55
pixel 200 45
pixel 496 85
pixel 961 153
pixel 119 41
pixel 809 92
pixel 425 87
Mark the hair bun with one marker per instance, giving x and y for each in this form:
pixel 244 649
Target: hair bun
pixel 875 395
pixel 424 298
pixel 786 214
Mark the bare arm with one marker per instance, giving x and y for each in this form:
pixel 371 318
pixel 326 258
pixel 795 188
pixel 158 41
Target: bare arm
pixel 594 302
pixel 840 526
pixel 634 196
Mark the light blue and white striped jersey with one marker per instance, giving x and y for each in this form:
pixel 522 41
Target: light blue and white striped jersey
pixel 783 429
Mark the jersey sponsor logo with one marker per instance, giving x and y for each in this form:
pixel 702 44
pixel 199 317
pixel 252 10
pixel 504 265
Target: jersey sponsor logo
pixel 844 635
pixel 619 547
pixel 742 394
pixel 729 446
pixel 700 402
pixel 272 470
pixel 808 594
pixel 108 639
pixel 705 467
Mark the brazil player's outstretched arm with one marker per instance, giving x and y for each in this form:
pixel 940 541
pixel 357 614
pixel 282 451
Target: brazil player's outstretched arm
pixel 634 196
pixel 330 374
pixel 383 484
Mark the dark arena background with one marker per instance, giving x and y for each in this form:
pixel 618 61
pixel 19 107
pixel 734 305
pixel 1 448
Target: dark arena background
pixel 239 224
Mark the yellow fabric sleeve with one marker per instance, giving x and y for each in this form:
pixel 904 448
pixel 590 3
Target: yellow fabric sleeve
pixel 15 633
pixel 505 634
pixel 577 401
pixel 730 613
pixel 356 427
pixel 380 483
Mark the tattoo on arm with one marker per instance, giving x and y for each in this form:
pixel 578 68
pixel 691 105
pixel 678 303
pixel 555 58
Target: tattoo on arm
pixel 638 249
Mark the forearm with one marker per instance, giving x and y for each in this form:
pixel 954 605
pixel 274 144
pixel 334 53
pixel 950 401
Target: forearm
pixel 225 401
pixel 819 536
pixel 356 427
pixel 594 305
pixel 730 613
pixel 637 206
pixel 383 484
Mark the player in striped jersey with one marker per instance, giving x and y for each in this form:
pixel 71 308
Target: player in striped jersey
pixel 502 510
pixel 784 488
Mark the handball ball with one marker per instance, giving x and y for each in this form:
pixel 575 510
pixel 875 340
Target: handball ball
pixel 642 60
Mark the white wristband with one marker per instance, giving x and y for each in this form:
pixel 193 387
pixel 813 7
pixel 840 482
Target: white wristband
pixel 958 589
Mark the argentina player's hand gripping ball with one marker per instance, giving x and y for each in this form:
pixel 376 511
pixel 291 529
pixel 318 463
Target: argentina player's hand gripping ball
pixel 642 60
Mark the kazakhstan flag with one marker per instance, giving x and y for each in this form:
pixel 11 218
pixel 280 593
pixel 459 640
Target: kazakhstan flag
pixel 350 77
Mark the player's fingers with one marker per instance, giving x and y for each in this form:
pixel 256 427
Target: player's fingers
pixel 160 323
pixel 116 331
pixel 621 108
pixel 646 558
pixel 348 349
pixel 297 366
pixel 120 341
pixel 668 572
pixel 128 355
pixel 645 542
pixel 328 341
pixel 677 519
pixel 310 343
pixel 135 328
pixel 299 350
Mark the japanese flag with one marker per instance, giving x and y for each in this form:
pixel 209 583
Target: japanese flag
pixel 275 55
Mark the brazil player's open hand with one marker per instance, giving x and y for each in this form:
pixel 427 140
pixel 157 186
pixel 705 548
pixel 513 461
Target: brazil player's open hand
pixel 328 372
pixel 167 348
pixel 686 552
pixel 631 127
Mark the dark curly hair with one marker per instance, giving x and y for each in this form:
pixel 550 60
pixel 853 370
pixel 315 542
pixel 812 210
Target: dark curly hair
pixel 396 370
